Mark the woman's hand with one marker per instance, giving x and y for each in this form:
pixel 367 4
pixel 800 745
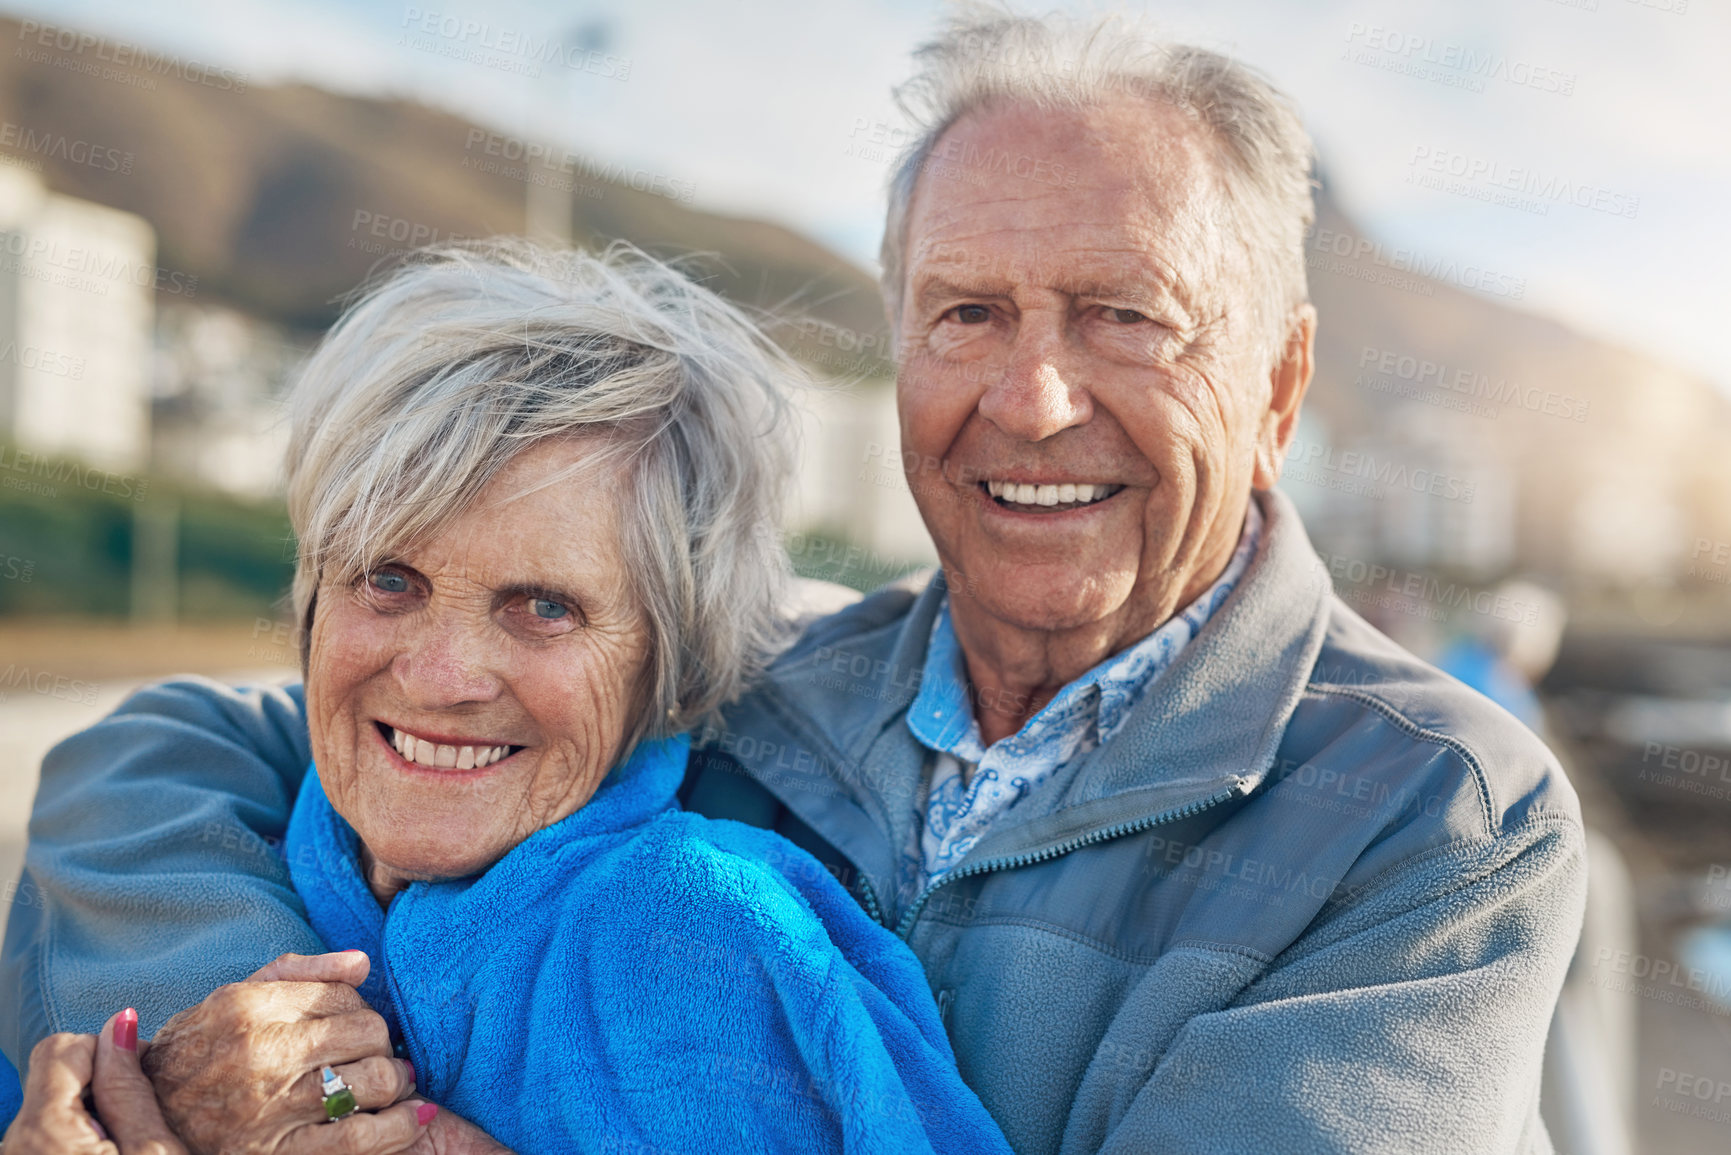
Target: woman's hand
pixel 449 1135
pixel 54 1120
pixel 240 1071
pixel 125 1103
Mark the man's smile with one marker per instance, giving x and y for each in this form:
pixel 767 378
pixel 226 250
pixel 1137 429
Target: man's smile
pixel 1046 496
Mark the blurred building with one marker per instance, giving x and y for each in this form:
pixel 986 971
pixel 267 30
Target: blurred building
pixel 219 377
pixel 1454 434
pixel 1618 501
pixel 852 485
pixel 77 288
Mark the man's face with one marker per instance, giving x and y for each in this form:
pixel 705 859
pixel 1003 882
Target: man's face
pixel 1089 325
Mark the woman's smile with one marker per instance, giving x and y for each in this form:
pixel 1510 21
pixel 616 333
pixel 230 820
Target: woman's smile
pixel 423 750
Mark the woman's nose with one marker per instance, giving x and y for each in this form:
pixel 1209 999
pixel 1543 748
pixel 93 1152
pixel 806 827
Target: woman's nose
pixel 444 665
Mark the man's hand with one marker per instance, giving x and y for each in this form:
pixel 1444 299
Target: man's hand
pixel 239 1072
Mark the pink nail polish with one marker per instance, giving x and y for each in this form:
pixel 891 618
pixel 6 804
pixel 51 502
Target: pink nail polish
pixel 411 1068
pixel 100 1133
pixel 126 1030
pixel 425 1112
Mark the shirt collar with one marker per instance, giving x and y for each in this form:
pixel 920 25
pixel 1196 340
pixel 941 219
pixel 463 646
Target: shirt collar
pixel 941 716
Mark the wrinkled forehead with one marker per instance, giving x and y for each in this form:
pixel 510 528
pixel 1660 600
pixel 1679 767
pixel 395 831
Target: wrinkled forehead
pixel 1128 187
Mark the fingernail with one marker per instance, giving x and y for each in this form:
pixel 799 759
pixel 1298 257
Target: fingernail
pixel 425 1112
pixel 411 1068
pixel 126 1030
pixel 100 1133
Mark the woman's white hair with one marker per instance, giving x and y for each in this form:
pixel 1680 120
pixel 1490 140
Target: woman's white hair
pixel 448 368
pixel 987 56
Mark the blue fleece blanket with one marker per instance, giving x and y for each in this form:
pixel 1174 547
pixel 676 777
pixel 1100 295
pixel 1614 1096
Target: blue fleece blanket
pixel 11 1093
pixel 638 979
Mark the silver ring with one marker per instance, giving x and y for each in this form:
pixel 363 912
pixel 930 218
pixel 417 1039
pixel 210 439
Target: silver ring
pixel 339 1099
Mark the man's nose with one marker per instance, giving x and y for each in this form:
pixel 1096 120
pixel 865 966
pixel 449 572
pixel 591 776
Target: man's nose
pixel 1037 394
pixel 445 665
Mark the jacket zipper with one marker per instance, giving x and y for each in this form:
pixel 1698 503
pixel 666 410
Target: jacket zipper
pixel 1028 858
pixel 873 910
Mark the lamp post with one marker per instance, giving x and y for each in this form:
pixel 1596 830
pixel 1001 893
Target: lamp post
pixel 547 204
pixel 156 560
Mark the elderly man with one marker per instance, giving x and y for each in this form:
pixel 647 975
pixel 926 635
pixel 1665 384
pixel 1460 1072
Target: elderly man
pixel 1194 858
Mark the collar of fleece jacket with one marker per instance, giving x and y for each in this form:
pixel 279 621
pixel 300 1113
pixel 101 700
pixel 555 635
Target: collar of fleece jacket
pixel 1210 723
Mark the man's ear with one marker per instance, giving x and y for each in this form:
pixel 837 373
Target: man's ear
pixel 1289 379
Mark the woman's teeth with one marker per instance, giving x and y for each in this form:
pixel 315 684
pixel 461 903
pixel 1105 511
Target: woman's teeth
pixel 424 753
pixel 1014 493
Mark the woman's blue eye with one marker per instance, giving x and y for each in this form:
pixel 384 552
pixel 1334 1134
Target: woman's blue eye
pixel 388 582
pixel 551 611
pixel 1127 316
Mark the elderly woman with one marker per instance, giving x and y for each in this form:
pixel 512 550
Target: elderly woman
pixel 536 496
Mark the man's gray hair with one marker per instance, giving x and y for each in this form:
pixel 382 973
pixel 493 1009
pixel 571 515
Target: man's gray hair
pixel 447 369
pixel 988 56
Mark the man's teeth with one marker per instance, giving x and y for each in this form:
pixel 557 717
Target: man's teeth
pixel 424 753
pixel 1065 494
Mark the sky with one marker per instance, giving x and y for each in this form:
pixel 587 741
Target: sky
pixel 1426 113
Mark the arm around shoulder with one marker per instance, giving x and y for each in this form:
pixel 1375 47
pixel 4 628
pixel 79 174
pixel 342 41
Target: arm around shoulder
pixel 154 872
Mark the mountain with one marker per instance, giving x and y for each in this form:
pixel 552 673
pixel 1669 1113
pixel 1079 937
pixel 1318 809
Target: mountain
pixel 1608 466
pixel 280 199
pixel 1558 454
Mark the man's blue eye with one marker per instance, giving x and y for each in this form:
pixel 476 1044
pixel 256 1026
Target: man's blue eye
pixel 551 611
pixel 1127 316
pixel 973 314
pixel 390 583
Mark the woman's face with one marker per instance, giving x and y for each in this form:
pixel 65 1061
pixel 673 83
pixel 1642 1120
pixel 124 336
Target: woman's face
pixel 506 660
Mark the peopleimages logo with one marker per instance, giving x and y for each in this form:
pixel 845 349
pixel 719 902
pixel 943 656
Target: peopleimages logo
pixel 34 465
pixel 88 266
pixel 43 360
pixel 1465 274
pixel 517 51
pixel 1361 576
pixel 58 146
pixel 1714 569
pixel 1000 163
pixel 127 55
pixel 1518 186
pixel 48 684
pixel 1471 383
pixel 406 233
pixel 876 140
pixel 534 154
pixel 1374 471
pixel 1423 55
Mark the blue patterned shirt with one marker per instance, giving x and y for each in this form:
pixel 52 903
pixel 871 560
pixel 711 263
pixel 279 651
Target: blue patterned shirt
pixel 970 785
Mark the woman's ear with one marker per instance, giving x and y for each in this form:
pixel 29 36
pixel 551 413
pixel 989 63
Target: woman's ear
pixel 306 638
pixel 1289 380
